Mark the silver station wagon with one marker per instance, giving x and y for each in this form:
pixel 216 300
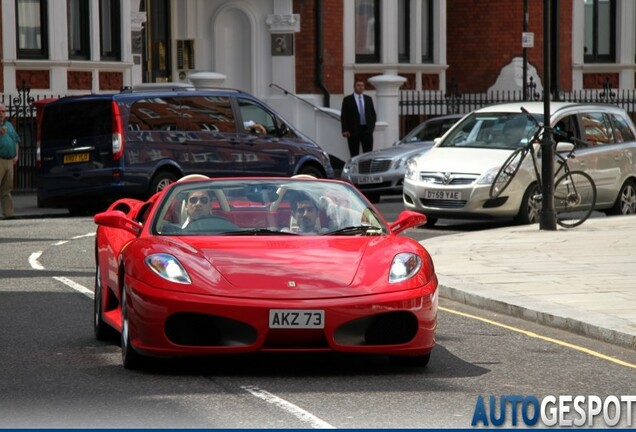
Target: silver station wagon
pixel 453 178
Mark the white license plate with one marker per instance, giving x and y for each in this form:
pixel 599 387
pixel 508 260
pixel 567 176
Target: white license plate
pixel 296 318
pixel 369 179
pixel 443 195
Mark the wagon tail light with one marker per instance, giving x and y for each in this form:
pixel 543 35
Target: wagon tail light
pixel 118 133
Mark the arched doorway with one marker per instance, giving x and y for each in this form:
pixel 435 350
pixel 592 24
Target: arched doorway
pixel 233 48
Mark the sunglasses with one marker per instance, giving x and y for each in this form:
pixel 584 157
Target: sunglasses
pixel 306 209
pixel 195 200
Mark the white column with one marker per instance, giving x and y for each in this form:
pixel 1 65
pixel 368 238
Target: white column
pixel 389 33
pixel 387 106
pixel 283 24
pixel 137 19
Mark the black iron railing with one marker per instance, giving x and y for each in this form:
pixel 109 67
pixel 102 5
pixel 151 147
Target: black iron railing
pixel 416 106
pixel 21 111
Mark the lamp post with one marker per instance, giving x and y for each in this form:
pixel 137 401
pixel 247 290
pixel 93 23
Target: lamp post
pixel 548 214
pixel 525 51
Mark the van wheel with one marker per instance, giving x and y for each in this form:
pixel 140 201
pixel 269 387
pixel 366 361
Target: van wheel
pixel 312 171
pixel 161 180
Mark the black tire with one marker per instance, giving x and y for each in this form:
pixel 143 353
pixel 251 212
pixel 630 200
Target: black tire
pixel 419 361
pixel 373 197
pixel 574 198
pixel 86 208
pixel 161 180
pixel 507 172
pixel 131 359
pixel 102 330
pixel 310 170
pixel 530 208
pixel 430 222
pixel 625 203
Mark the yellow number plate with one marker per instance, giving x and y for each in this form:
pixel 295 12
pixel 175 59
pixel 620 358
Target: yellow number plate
pixel 76 157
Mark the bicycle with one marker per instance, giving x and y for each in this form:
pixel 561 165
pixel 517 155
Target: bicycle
pixel 574 191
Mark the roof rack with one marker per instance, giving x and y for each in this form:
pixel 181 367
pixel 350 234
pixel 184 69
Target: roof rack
pixel 165 86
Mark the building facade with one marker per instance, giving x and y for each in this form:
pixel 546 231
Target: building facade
pixel 303 56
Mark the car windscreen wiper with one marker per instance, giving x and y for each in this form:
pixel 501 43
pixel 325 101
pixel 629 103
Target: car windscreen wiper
pixel 258 231
pixel 356 229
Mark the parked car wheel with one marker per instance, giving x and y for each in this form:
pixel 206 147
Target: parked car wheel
pixel 430 221
pixel 374 197
pixel 530 209
pixel 626 201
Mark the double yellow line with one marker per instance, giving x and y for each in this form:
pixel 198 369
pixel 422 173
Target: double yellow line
pixel 545 338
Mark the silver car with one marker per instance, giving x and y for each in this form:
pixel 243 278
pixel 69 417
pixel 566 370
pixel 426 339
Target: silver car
pixel 453 178
pixel 381 172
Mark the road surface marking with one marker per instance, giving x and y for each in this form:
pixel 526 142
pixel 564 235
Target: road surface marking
pixel 33 261
pixel 545 338
pixel 289 407
pixel 77 287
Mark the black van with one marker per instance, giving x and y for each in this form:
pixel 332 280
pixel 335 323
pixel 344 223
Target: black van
pixel 94 149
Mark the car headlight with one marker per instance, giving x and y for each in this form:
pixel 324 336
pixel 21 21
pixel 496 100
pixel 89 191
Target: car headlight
pixel 350 167
pixel 404 266
pixel 400 162
pixel 168 267
pixel 489 176
pixel 411 168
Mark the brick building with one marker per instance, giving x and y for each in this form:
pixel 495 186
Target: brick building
pixel 302 56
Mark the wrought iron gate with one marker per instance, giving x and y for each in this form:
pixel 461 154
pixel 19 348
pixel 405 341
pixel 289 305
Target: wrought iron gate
pixel 21 111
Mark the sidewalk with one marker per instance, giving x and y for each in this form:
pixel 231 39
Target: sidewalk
pixel 25 206
pixel 582 280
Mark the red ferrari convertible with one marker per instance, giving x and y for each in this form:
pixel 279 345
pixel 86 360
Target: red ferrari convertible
pixel 240 265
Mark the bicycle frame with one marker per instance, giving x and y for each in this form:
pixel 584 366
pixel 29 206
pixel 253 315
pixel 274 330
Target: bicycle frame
pixel 575 191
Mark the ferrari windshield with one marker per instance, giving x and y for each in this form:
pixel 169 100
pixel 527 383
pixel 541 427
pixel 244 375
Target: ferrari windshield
pixel 243 207
pixel 492 130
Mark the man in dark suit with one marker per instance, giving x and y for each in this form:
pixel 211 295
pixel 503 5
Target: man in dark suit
pixel 357 118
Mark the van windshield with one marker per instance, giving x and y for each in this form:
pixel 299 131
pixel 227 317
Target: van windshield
pixel 79 119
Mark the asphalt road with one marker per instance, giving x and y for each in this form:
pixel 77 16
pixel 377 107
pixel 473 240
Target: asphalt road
pixel 55 374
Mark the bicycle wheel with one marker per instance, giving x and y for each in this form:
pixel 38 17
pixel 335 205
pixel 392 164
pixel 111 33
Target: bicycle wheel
pixel 507 172
pixel 574 198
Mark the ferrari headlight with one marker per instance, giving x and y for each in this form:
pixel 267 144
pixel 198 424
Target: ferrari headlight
pixel 404 266
pixel 168 267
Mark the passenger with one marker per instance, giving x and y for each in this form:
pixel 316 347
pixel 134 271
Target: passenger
pixel 253 127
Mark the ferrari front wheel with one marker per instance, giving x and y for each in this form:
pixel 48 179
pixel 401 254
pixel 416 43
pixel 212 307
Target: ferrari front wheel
pixel 130 358
pixel 102 330
pixel 411 361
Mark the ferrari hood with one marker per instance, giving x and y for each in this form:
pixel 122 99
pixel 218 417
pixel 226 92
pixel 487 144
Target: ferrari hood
pixel 288 267
pixel 461 160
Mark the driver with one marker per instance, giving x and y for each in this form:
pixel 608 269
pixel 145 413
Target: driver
pixel 305 214
pixel 197 206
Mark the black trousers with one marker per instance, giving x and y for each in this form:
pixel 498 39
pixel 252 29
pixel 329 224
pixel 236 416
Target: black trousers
pixel 364 139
